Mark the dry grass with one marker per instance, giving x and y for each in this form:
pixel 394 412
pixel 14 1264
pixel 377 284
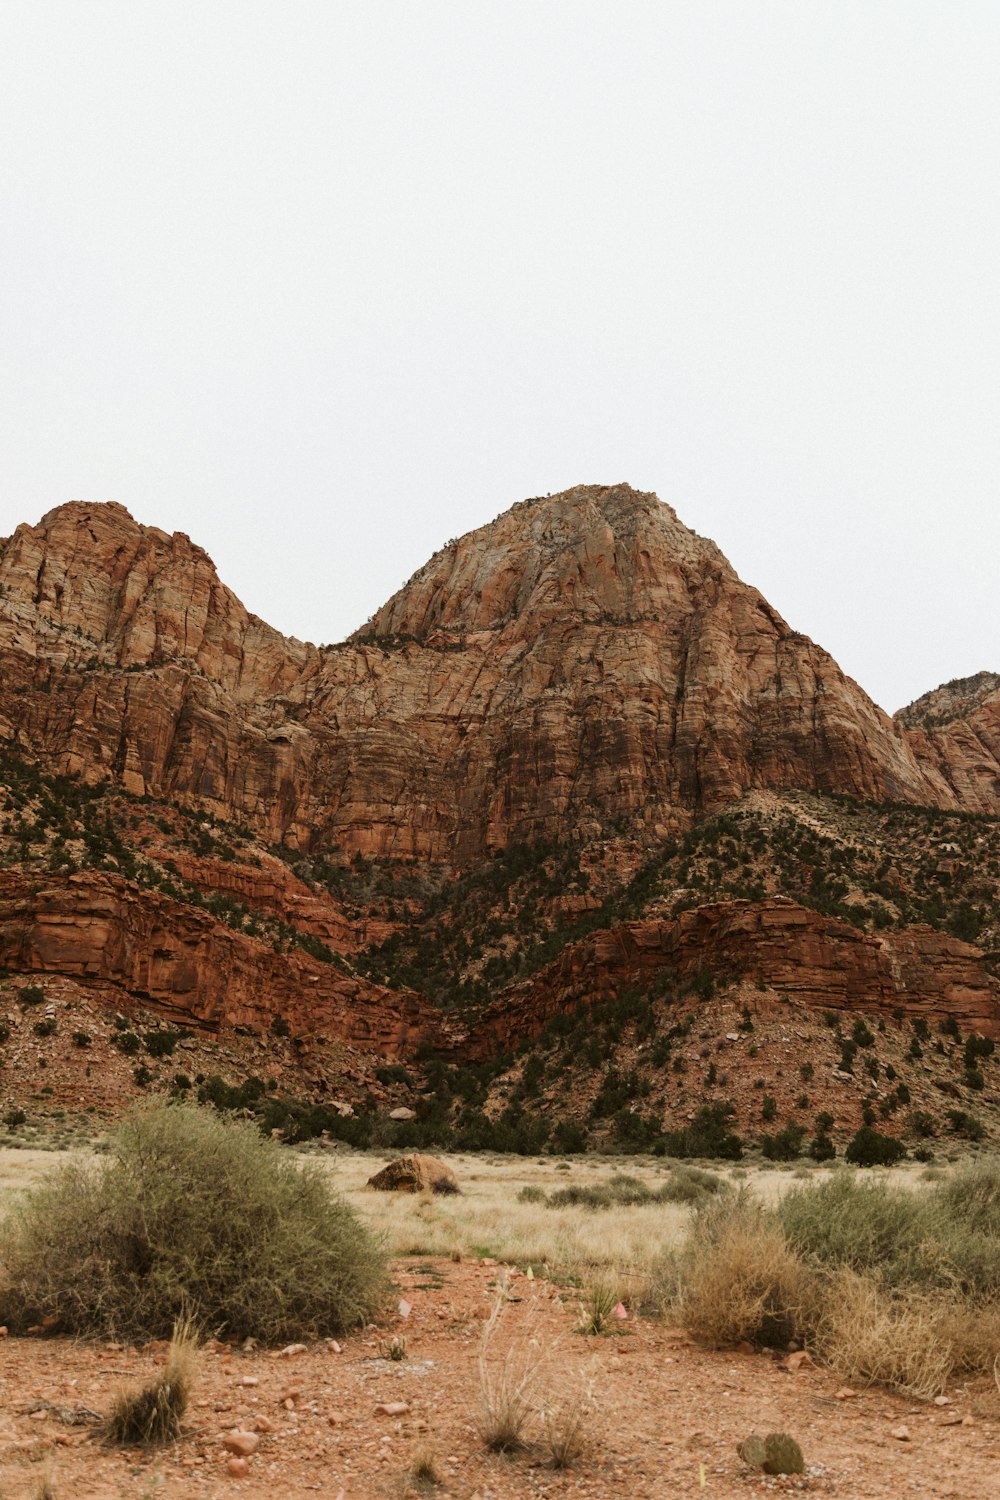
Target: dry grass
pixel 424 1472
pixel 739 1279
pixel 568 1420
pixel 153 1415
pixel 510 1368
pixel 873 1338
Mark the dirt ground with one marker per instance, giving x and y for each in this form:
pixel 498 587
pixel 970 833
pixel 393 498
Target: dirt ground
pixel 666 1417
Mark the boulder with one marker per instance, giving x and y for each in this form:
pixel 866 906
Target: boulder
pixel 415 1173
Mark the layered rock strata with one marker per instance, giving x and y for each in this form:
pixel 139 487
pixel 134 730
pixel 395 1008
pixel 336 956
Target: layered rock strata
pixel 581 661
pixel 813 960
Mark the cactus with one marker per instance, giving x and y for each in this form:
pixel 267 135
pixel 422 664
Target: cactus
pixel 776 1454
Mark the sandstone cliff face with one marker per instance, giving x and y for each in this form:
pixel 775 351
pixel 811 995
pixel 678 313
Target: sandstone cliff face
pixel 191 969
pixel 955 735
pixel 583 660
pixel 814 960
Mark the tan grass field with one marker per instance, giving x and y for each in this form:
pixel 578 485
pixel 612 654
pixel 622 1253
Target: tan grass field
pixel 488 1219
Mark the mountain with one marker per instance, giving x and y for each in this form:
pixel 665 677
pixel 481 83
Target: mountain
pixel 584 660
pixel 574 756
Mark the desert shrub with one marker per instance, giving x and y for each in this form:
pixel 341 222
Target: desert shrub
pixel 684 1185
pixel 847 1221
pixel 161 1043
pixel 188 1213
pixel 966 1125
pixel 872 1337
pixel 709 1134
pixel 869 1148
pixel 738 1278
pixel 972 1196
pixel 947 1238
pixel 691 1185
pixel 31 994
pixel 786 1144
pixel 530 1193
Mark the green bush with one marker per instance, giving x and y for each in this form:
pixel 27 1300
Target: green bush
pixel 869 1148
pixel 849 1221
pixel 188 1213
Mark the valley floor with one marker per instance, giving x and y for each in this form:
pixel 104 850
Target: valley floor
pixel 663 1416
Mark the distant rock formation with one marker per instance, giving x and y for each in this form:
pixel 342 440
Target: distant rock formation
pixel 583 661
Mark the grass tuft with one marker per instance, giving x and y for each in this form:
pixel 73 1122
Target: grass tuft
pixel 153 1414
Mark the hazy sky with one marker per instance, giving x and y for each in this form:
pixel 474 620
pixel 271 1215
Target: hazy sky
pixel 323 284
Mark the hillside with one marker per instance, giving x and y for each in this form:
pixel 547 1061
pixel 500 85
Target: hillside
pixel 575 762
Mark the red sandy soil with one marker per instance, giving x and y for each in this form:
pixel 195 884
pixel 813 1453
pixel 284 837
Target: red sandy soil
pixel 670 1415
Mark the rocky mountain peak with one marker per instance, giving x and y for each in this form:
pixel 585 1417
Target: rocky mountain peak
pixel 592 552
pixel 952 700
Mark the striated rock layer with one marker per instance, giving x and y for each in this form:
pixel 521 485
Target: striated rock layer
pixel 581 661
pixel 192 970
pixel 812 959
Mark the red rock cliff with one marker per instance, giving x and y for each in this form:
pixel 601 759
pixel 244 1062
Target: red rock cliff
pixel 584 659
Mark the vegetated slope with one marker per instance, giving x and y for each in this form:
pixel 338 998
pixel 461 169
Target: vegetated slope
pixel 575 761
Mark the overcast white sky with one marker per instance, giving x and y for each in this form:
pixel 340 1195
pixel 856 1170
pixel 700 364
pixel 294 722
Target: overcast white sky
pixel 323 284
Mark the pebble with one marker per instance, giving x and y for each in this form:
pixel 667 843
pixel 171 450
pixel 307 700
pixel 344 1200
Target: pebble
pixel 392 1408
pixel 901 1434
pixel 242 1443
pixel 846 1394
pixel 290 1350
pixel 237 1468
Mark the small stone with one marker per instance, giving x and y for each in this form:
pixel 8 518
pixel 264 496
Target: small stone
pixel 237 1468
pixel 901 1434
pixel 800 1360
pixel 941 1401
pixel 333 1347
pixel 393 1408
pixel 249 1380
pixel 405 1308
pixel 3 1332
pixel 243 1443
pixel 291 1350
pixel 846 1394
pixel 264 1424
pixel 968 1421
pixel 619 1311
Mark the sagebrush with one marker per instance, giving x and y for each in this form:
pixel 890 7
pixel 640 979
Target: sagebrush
pixel 188 1214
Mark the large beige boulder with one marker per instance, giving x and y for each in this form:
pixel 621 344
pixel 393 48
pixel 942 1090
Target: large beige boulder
pixel 415 1173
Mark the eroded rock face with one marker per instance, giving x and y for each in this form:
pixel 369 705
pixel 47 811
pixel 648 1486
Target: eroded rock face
pixel 815 960
pixel 955 735
pixel 192 969
pixel 584 659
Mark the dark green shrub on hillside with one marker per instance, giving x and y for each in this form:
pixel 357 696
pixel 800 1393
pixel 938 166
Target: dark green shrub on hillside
pixel 786 1145
pixel 821 1147
pixel 188 1214
pixel 709 1134
pixel 869 1148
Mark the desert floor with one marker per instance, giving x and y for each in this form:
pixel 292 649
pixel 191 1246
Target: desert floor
pixel 662 1417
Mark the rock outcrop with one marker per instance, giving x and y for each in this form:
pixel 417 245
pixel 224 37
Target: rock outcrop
pixel 814 960
pixel 955 735
pixel 193 970
pixel 415 1173
pixel 584 660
